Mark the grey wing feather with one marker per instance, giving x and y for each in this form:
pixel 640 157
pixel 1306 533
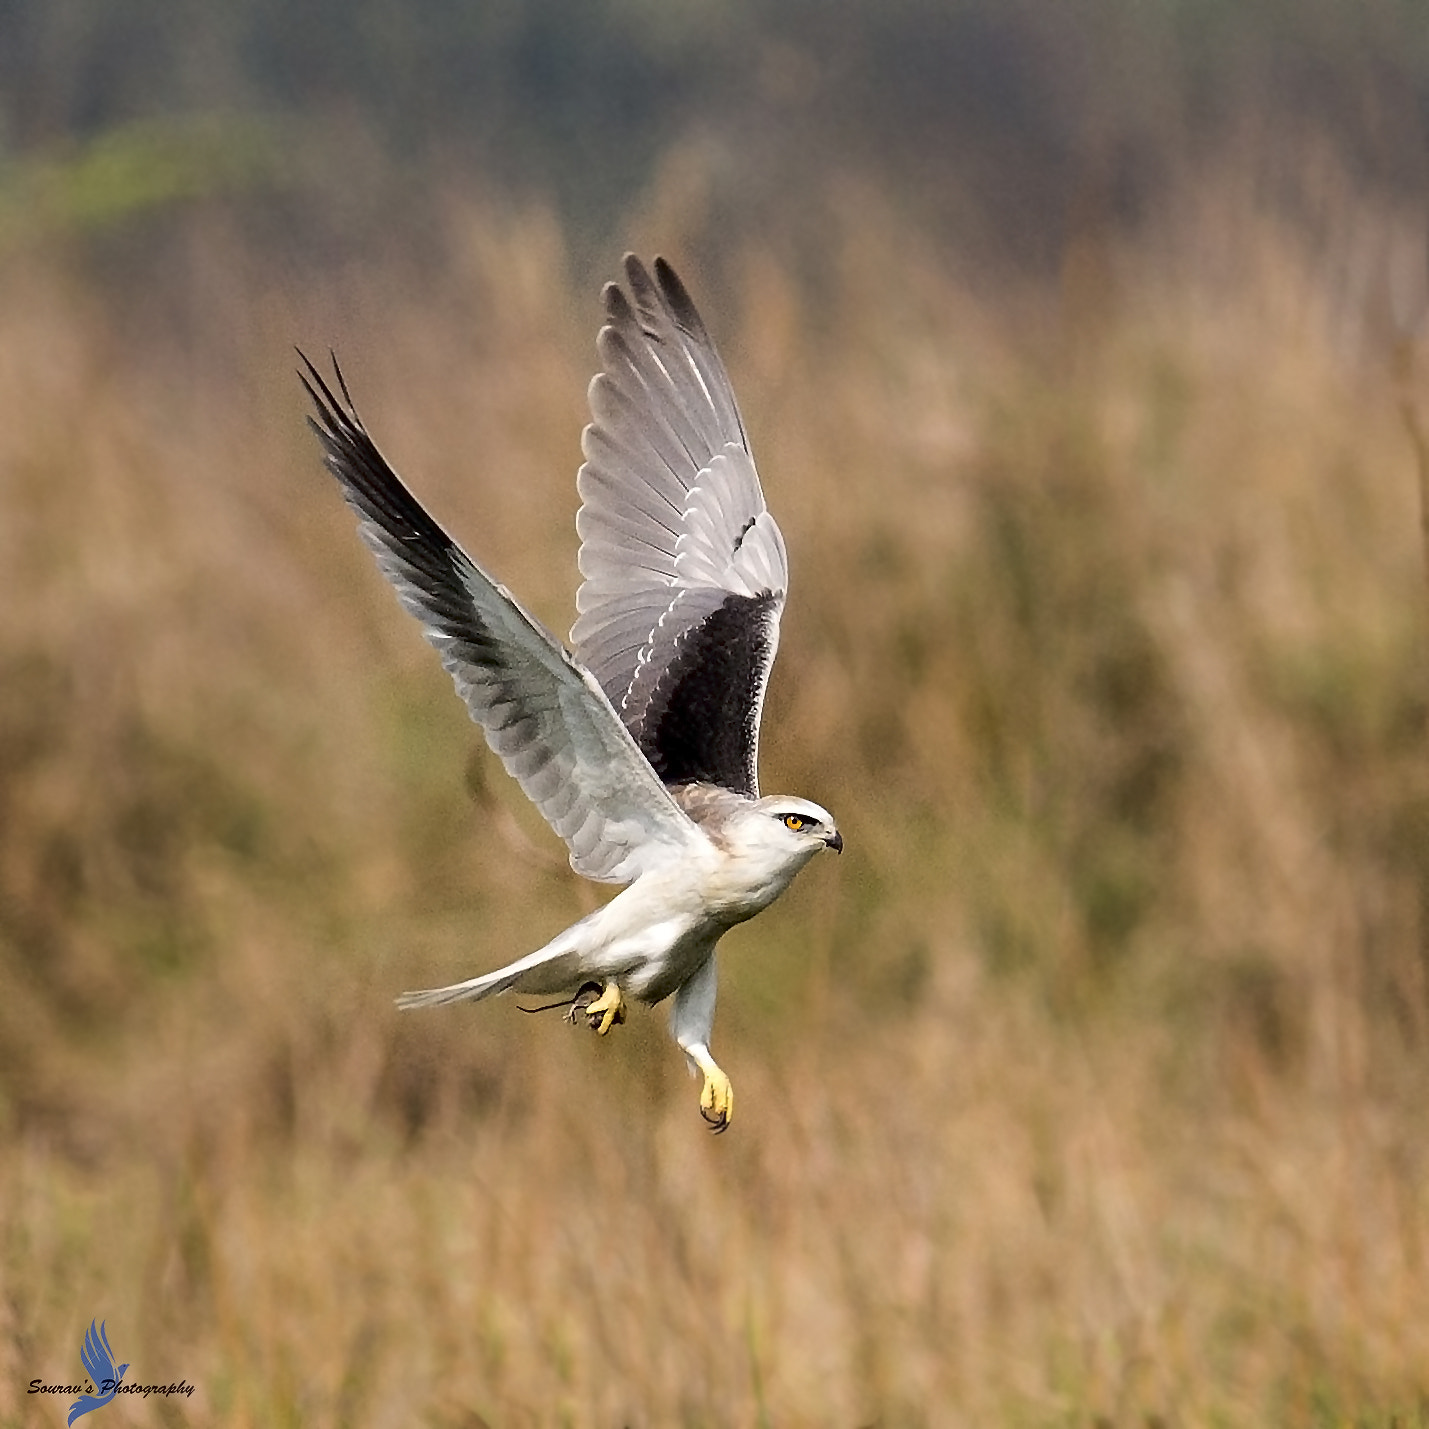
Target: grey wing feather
pixel 685 569
pixel 543 713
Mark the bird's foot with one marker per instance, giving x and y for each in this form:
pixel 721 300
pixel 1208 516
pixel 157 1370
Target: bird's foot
pixel 716 1098
pixel 602 1007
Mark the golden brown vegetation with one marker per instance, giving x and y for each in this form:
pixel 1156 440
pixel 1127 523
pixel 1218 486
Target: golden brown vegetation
pixel 1088 1087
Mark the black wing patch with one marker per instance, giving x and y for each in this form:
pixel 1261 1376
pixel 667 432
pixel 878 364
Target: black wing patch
pixel 702 720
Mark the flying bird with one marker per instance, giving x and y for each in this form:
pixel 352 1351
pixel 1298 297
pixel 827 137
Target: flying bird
pixel 640 744
pixel 98 1360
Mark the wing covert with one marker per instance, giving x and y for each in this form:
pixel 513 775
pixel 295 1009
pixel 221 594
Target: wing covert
pixel 685 569
pixel 542 712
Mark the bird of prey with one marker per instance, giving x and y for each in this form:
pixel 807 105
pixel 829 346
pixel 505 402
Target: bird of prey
pixel 98 1360
pixel 640 744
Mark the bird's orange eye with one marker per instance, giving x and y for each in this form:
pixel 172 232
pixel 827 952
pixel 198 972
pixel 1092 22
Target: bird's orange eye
pixel 795 822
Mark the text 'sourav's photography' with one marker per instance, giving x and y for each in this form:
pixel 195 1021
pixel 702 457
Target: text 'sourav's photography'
pixel 103 1379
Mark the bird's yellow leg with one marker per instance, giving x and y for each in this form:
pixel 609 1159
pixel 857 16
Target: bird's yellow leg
pixel 607 1010
pixel 717 1095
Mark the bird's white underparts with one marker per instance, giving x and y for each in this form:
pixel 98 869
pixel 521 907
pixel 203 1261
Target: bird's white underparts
pixel 639 744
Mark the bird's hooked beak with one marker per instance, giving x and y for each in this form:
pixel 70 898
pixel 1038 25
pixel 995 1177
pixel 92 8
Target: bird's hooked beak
pixel 835 841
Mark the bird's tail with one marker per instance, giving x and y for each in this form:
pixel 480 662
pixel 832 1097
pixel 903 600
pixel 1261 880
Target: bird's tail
pixel 554 968
pixel 472 990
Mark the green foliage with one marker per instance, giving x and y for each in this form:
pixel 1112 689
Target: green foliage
pixel 1037 110
pixel 131 170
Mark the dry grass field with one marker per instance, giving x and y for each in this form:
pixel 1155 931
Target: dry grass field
pixel 1088 1088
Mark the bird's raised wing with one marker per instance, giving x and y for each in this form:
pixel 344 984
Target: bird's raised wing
pixel 685 571
pixel 96 1356
pixel 543 713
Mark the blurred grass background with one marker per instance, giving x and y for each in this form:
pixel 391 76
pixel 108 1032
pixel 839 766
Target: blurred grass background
pixel 1079 349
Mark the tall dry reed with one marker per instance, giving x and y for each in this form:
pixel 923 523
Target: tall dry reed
pixel 1086 1088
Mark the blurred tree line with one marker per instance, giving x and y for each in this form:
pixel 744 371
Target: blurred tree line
pixel 1002 120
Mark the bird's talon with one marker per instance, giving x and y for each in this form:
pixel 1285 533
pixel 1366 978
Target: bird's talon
pixel 716 1099
pixel 601 1012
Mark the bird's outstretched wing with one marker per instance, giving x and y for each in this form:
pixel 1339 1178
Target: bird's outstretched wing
pixel 543 713
pixel 685 570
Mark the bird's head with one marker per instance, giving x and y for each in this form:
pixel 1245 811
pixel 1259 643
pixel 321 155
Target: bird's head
pixel 799 825
pixel 768 841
